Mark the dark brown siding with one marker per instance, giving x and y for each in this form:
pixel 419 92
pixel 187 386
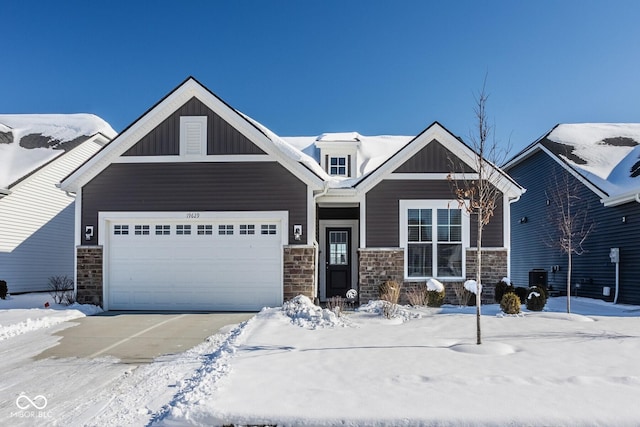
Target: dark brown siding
pixel 383 210
pixel 263 186
pixel 222 138
pixel 433 158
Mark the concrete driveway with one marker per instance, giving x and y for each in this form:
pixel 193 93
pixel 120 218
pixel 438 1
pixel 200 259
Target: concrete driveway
pixel 138 337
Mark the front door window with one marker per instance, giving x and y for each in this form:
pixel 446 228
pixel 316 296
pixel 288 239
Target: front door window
pixel 338 247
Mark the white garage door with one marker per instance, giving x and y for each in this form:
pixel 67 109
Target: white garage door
pixel 167 264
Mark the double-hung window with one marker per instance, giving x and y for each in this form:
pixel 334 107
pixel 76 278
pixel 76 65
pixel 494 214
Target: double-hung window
pixel 338 166
pixel 434 236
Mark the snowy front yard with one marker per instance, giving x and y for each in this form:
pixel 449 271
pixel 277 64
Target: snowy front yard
pixel 302 367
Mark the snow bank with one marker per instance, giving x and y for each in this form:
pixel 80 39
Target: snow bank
pixel 17 317
pixel 307 315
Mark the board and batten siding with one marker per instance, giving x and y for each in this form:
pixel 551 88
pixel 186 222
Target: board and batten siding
pixel 37 225
pixel 593 270
pixel 433 158
pixel 198 187
pixel 222 138
pixel 382 211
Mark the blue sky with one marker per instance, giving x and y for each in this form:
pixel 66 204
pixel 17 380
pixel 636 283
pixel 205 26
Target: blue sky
pixel 307 67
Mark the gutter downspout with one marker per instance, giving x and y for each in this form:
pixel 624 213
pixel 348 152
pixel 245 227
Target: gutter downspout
pixel 316 245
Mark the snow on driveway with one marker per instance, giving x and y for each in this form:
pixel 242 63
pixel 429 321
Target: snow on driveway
pixel 304 366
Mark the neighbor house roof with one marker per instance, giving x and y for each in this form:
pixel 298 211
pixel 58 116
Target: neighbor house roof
pixel 604 156
pixel 30 141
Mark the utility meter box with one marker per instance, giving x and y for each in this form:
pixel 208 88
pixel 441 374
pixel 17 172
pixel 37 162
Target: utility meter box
pixel 614 254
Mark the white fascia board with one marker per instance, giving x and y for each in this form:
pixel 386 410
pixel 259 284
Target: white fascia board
pixel 620 199
pixel 161 112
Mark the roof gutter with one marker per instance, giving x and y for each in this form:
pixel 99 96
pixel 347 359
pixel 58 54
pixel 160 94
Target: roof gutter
pixel 4 192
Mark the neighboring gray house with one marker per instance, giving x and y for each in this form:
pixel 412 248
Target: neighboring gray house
pixel 36 218
pixel 197 206
pixel 604 159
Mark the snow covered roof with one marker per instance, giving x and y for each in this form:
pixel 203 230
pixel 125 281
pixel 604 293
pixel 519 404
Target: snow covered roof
pixel 29 141
pixel 607 155
pixel 373 151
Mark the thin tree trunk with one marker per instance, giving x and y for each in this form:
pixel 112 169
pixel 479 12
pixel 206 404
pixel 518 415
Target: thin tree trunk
pixel 569 281
pixel 478 273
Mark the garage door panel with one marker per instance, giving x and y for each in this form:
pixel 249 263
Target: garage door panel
pixel 194 272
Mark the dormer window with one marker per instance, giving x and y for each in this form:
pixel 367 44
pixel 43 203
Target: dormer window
pixel 338 166
pixel 339 153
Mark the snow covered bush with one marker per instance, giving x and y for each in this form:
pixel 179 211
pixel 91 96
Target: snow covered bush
pixel 435 293
pixel 504 286
pixel 536 299
pixel 304 313
pixel 510 303
pixel 3 289
pixel 59 287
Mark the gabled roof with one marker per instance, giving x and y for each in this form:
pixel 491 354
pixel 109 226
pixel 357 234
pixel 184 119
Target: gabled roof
pixel 605 157
pixel 297 162
pixel 437 132
pixel 28 142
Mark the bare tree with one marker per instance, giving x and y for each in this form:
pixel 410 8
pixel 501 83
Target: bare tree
pixel 477 192
pixel 571 224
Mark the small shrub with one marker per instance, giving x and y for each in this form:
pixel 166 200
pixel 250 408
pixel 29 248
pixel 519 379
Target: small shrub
pixel 417 296
pixel 462 295
pixel 59 286
pixel 536 299
pixel 69 298
pixel 390 291
pixel 510 303
pixel 435 298
pixel 502 288
pixel 3 289
pixel 337 305
pixel 522 294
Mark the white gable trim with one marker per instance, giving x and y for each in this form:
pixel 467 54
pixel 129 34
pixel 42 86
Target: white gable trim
pixel 165 108
pixel 444 137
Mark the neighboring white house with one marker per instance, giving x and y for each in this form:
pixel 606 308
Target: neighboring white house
pixel 36 217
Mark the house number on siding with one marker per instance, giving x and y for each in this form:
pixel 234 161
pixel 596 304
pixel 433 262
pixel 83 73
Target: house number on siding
pixel 193 215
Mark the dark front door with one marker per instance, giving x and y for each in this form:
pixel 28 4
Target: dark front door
pixel 338 253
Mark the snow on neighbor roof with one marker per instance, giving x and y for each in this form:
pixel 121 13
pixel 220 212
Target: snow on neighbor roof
pixel 603 153
pixel 28 141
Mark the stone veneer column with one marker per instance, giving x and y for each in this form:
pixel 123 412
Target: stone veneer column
pixel 376 266
pixel 494 268
pixel 89 275
pixel 299 271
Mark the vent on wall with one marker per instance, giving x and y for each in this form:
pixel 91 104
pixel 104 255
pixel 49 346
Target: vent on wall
pixel 193 135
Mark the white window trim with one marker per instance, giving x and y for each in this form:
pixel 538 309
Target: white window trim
pixel 405 205
pixel 184 122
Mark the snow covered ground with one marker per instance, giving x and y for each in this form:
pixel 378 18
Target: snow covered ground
pixel 304 366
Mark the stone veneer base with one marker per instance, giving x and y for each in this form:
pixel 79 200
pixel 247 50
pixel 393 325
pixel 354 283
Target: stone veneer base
pixel 89 275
